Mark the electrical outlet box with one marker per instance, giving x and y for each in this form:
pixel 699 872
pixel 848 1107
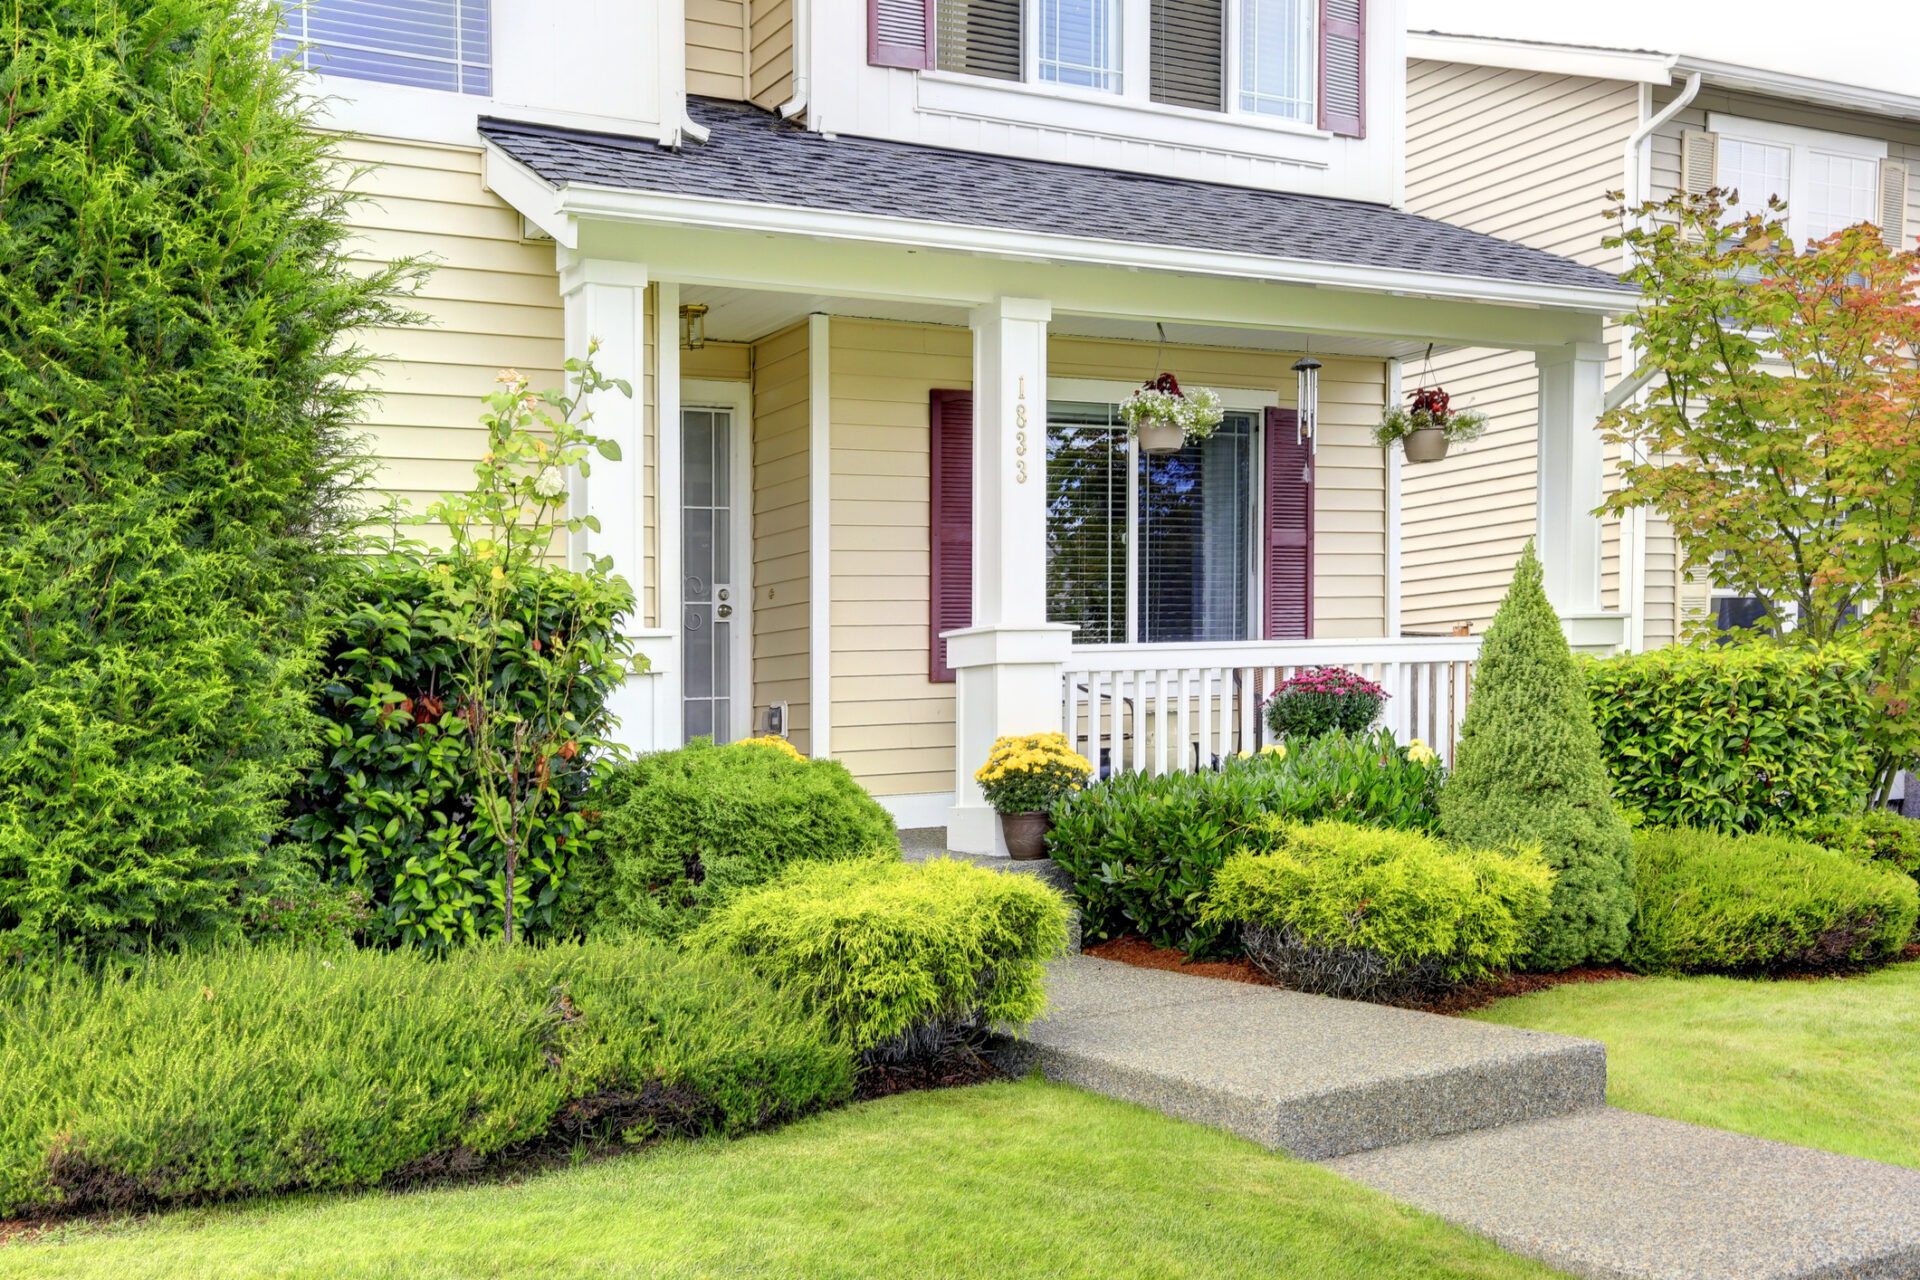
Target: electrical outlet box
pixel 776 721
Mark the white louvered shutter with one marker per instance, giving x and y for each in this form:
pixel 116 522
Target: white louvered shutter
pixel 1343 67
pixel 1893 205
pixel 1699 161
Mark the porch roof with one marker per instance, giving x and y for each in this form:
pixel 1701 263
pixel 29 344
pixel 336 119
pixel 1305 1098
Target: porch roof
pixel 754 157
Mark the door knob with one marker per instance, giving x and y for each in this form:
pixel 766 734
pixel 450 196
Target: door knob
pixel 724 611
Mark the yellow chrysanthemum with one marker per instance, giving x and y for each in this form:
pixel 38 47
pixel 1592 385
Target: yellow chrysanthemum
pixel 777 743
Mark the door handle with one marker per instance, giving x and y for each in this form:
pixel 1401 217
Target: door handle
pixel 724 611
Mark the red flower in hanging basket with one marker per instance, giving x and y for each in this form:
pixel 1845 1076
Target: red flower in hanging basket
pixel 1165 382
pixel 1432 401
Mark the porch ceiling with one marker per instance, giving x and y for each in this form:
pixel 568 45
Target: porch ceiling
pixel 745 315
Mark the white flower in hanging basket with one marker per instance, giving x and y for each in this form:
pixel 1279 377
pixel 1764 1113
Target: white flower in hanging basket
pixel 1428 425
pixel 1160 407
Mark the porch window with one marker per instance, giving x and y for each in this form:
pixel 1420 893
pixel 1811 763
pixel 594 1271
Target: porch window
pixel 426 44
pixel 1150 548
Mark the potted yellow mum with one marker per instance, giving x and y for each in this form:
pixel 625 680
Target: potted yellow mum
pixel 1022 778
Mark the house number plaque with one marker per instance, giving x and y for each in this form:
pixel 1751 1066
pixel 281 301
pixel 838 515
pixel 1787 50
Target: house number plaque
pixel 1020 434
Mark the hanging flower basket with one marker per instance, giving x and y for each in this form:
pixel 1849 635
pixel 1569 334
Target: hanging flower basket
pixel 1163 418
pixel 1428 425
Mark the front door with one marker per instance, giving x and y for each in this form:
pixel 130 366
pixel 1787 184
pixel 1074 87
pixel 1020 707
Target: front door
pixel 711 603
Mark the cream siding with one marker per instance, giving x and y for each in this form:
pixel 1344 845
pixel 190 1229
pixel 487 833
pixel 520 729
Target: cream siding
pixel 782 590
pixel 717 48
pixel 1526 156
pixel 770 53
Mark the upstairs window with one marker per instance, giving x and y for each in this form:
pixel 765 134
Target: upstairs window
pixel 1080 43
pixel 1277 59
pixel 424 44
pixel 1829 181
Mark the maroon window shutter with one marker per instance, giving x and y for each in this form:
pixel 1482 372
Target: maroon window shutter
pixel 1289 505
pixel 900 33
pixel 951 518
pixel 1343 67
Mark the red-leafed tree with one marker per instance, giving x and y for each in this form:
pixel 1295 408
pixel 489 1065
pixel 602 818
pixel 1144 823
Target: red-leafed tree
pixel 1780 435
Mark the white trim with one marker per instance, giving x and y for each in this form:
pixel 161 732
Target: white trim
pixel 819 536
pixel 736 398
pixel 1641 65
pixel 666 429
pixel 619 204
pixel 1113 391
pixel 1781 84
pixel 922 809
pixel 1746 129
pixel 1393 579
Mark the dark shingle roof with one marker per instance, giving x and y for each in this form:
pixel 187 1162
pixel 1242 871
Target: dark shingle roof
pixel 755 157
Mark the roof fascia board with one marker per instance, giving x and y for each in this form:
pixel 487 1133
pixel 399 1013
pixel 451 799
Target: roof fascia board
pixel 1631 65
pixel 628 205
pixel 1781 84
pixel 530 195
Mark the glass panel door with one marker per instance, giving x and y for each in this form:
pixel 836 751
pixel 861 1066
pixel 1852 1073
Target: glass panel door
pixel 707 609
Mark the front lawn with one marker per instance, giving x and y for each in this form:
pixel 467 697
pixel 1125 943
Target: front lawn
pixel 1025 1179
pixel 1826 1063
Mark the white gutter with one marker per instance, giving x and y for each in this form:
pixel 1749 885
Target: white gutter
pixel 802 20
pixel 1638 138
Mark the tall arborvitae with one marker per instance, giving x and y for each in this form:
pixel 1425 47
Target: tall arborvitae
pixel 176 459
pixel 1530 772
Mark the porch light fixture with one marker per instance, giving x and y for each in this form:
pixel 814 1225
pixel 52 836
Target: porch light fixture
pixel 1307 414
pixel 693 326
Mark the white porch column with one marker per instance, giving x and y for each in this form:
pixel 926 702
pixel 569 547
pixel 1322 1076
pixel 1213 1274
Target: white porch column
pixel 1573 384
pixel 606 301
pixel 1008 664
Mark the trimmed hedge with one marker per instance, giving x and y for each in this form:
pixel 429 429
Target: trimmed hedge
pixel 1735 737
pixel 893 952
pixel 1723 902
pixel 237 1072
pixel 1873 835
pixel 1367 914
pixel 1143 850
pixel 681 830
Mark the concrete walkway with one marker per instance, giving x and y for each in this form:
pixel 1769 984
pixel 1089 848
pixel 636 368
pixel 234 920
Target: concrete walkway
pixel 1499 1130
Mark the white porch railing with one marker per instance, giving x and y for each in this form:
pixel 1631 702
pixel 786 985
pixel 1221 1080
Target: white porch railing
pixel 1161 708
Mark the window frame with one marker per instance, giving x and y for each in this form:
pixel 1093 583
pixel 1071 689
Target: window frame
pixel 1801 144
pixel 1235 400
pixel 295 29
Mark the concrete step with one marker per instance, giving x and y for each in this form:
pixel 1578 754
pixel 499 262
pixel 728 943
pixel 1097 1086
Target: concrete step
pixel 1612 1195
pixel 1314 1077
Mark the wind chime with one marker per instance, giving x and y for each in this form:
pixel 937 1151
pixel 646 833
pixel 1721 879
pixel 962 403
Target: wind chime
pixel 1306 418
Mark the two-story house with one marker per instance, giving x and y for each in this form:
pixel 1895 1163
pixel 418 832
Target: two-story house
pixel 881 274
pixel 1523 140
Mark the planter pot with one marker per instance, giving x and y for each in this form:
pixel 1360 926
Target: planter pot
pixel 1026 834
pixel 1161 439
pixel 1429 444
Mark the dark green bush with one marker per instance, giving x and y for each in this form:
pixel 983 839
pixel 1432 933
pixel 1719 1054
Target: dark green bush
pixel 238 1072
pixel 1143 850
pixel 1735 736
pixel 1367 914
pixel 682 830
pixel 1717 901
pixel 1873 835
pixel 1528 771
pixel 177 460
pixel 389 806
pixel 891 950
pixel 307 912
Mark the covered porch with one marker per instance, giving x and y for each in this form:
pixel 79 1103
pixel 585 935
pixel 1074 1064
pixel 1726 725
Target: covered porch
pixel 879 503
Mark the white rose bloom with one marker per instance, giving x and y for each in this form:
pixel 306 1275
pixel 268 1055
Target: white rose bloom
pixel 550 482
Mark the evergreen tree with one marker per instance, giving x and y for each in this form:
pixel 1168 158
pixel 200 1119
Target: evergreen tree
pixel 176 459
pixel 1529 771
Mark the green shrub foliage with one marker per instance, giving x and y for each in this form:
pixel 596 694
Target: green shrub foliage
pixel 1528 770
pixel 887 950
pixel 390 804
pixel 1874 835
pixel 176 461
pixel 237 1072
pixel 1143 849
pixel 1734 736
pixel 1712 900
pixel 1363 913
pixel 684 829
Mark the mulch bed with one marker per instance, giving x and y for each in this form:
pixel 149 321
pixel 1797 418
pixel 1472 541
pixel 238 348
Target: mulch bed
pixel 950 1071
pixel 1478 995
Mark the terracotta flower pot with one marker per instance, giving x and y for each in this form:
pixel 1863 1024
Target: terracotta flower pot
pixel 1026 834
pixel 1429 444
pixel 1161 439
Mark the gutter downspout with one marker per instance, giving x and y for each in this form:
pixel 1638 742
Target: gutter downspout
pixel 1633 588
pixel 802 60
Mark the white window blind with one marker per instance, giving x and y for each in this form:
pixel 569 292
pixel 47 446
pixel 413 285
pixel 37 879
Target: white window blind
pixel 1841 192
pixel 1277 58
pixel 426 44
pixel 978 37
pixel 1080 43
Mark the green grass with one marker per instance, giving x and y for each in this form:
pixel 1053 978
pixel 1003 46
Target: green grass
pixel 1825 1063
pixel 1004 1180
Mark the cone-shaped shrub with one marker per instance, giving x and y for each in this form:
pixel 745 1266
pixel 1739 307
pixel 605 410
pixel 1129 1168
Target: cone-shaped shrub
pixel 1529 771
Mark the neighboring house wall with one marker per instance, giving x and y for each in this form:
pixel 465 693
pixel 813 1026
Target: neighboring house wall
pixel 781 587
pixel 1526 156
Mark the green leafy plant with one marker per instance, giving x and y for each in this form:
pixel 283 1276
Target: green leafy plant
pixel 1875 835
pixel 1323 700
pixel 1031 772
pixel 266 1069
pixel 1529 770
pixel 305 911
pixel 1143 849
pixel 1758 903
pixel 682 830
pixel 1368 914
pixel 1734 736
pixel 178 386
pixel 890 950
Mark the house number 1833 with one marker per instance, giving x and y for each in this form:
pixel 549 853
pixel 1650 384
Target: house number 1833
pixel 1020 434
